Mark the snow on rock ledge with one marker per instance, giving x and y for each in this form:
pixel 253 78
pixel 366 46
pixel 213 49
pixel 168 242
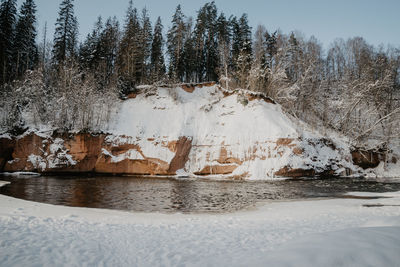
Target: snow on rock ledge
pixel 200 130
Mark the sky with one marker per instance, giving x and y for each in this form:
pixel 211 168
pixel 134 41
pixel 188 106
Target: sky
pixel 378 21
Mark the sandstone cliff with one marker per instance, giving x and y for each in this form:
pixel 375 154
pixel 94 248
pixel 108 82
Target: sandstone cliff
pixel 200 130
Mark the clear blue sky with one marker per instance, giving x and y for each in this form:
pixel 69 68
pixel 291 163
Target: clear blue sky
pixel 378 21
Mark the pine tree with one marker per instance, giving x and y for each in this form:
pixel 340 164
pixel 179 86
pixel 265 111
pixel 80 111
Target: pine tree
pixel 146 40
pixel 241 49
pixel 189 53
pixel 271 48
pixel 25 54
pixel 236 42
pixel 223 29
pixel 175 45
pixel 199 44
pixel 245 34
pixel 109 40
pixel 157 56
pixel 90 52
pixel 292 58
pixel 94 53
pixel 8 13
pixel 65 36
pixel 130 58
pixel 206 44
pixel 211 53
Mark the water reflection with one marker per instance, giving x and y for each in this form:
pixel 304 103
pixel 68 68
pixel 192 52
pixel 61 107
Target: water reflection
pixel 184 195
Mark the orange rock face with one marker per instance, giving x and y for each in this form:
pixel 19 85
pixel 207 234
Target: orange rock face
pixel 285 142
pixel 82 148
pixel 183 147
pixel 295 173
pixel 131 95
pixel 83 152
pixel 133 167
pixel 367 159
pixel 252 97
pixel 217 169
pixel 188 88
pixel 224 158
pixel 30 144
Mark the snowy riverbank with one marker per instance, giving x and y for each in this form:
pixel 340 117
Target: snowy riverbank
pixel 337 232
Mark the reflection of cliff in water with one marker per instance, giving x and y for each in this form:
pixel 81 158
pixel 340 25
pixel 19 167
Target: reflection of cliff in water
pixel 184 195
pixel 85 194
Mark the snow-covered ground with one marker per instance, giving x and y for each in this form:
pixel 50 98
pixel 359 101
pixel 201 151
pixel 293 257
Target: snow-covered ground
pixel 336 232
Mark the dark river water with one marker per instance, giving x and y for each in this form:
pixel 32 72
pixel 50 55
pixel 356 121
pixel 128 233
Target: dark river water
pixel 182 195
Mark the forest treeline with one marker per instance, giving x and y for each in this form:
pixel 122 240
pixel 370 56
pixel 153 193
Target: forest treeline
pixel 352 87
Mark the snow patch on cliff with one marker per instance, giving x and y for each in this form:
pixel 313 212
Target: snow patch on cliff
pixel 37 161
pixel 248 130
pixel 57 158
pixel 131 154
pixel 204 114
